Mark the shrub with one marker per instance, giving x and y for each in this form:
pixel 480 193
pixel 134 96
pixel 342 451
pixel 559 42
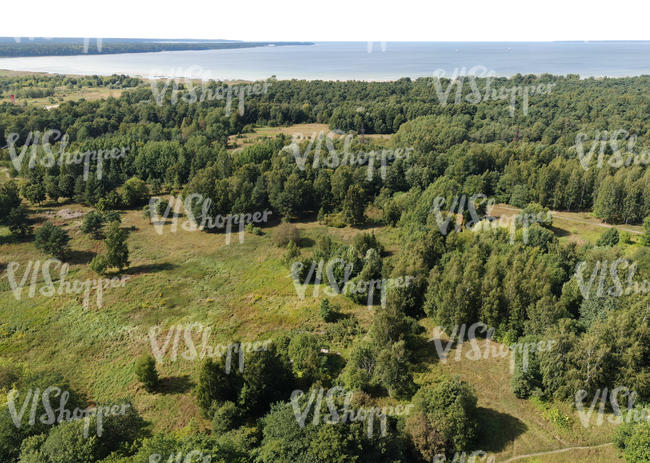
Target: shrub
pixel 19 222
pixel 292 254
pixel 252 229
pixel 145 370
pixel 225 417
pixel 161 206
pixel 444 420
pixel 52 240
pixel 99 264
pixel 92 224
pixel 117 251
pixel 284 233
pixel 134 192
pixel 608 238
pixel 326 312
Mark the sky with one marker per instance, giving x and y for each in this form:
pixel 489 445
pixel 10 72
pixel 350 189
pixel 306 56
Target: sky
pixel 332 20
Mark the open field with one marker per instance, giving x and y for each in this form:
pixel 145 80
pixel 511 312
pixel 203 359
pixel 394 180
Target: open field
pixel 306 130
pixel 581 227
pixel 241 291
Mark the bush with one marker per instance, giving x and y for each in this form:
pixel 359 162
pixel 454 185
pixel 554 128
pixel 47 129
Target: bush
pixel 52 240
pixel 99 264
pixel 608 238
pixel 145 370
pixel 92 224
pixel 19 222
pixel 117 254
pixel 292 254
pixel 134 192
pixel 252 229
pixel 326 312
pixel 284 233
pixel 365 241
pixel 225 417
pixel 444 420
pixel 634 440
pixel 161 206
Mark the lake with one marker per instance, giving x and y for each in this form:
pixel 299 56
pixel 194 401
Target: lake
pixel 360 60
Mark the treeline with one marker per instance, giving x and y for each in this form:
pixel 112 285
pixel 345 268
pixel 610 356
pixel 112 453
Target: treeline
pixel 95 46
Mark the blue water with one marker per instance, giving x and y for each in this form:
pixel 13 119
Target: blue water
pixel 361 60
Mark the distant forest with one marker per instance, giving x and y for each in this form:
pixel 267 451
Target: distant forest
pixel 19 46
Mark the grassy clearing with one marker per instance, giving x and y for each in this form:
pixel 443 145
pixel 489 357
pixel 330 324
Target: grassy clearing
pixel 306 130
pixel 241 291
pixel 580 227
pixel 509 426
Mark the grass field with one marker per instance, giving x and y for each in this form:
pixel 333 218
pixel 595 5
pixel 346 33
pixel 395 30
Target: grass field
pixel 306 130
pixel 241 291
pixel 580 227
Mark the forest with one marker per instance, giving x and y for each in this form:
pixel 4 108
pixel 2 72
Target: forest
pixel 15 47
pixel 579 148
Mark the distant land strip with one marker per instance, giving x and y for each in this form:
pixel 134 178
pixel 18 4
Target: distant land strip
pixel 14 47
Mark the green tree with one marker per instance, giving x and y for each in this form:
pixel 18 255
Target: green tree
pixel 444 419
pixel 117 251
pixel 216 385
pixel 99 264
pixel 304 353
pixel 354 206
pixel 92 224
pixel 19 222
pixel 145 371
pixel 52 240
pixel 327 313
pixel 34 192
pixel 608 238
pixel 134 192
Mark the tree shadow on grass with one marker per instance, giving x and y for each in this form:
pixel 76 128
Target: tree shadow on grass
pixel 15 239
pixel 559 232
pixel 79 257
pixel 175 384
pixel 425 350
pixel 496 430
pixel 149 268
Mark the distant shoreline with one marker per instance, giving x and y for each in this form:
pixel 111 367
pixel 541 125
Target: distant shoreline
pixel 28 48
